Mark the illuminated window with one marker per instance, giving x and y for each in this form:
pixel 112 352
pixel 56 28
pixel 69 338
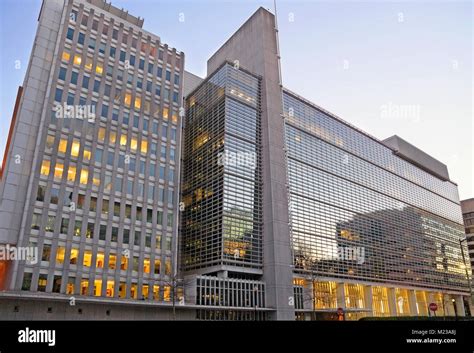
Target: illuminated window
pixel 62 146
pixel 99 262
pixel 145 291
pixel 112 262
pixel 96 179
pixel 45 167
pixel 87 258
pixel 380 301
pixel 75 148
pixel 134 291
pixel 112 137
pixel 110 289
pixel 58 170
pixel 66 56
pixel 128 99
pixel 168 267
pixel 88 64
pixel 122 290
pixel 157 265
pixel 87 154
pixel 133 143
pixel 165 113
pixel 74 256
pixel 101 135
pixel 77 60
pixel 144 146
pixel 174 118
pixel 138 103
pixel 99 69
pixel 167 293
pixel 146 265
pixel 70 285
pixel 156 292
pixel 97 287
pixel 123 140
pixel 123 262
pixel 84 176
pixel 354 294
pixel 402 304
pixel 325 295
pixel 85 287
pixel 60 255
pixel 71 173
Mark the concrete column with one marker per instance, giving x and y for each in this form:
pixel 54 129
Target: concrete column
pixel 392 302
pixel 341 297
pixel 412 303
pixel 449 309
pixel 460 305
pixel 368 300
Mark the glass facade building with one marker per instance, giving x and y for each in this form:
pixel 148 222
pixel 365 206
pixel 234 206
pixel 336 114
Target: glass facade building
pixel 361 214
pixel 222 195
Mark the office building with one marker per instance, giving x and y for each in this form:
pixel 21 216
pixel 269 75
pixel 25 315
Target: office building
pixel 91 176
pixel 285 211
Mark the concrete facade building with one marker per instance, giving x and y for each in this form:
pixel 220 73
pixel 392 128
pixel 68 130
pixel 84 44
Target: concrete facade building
pixel 268 208
pixel 91 178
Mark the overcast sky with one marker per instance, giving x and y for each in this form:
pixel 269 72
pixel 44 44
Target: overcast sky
pixel 398 67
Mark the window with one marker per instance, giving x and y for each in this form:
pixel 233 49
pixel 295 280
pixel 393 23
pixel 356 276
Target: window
pixel 128 99
pixel 122 56
pixel 114 234
pixel 46 254
pixel 84 176
pixel 105 110
pixel 99 69
pixel 87 154
pixel 114 33
pixel 74 76
pixel 93 204
pixel 150 68
pixel 77 228
pixel 141 64
pixel 126 236
pixel 170 219
pixel 159 217
pixel 71 173
pixel 168 75
pixel 62 73
pixel 115 114
pixel 107 90
pixel 45 167
pixel 87 258
pixel 144 146
pixel 92 43
pixel 112 52
pixel 77 60
pixel 132 60
pixel 112 261
pixel 163 151
pixel 102 231
pixel 110 158
pixel 105 29
pixel 70 33
pixel 175 97
pixel 75 147
pixel 59 95
pixel 168 244
pixel 84 20
pixel 171 175
pixel 102 48
pixel 40 193
pixel 54 197
pixel 139 213
pixel 65 56
pixel 96 86
pixel 159 72
pixel 98 155
pixel 80 39
pixel 176 79
pixel 42 282
pixel 158 91
pixel 109 71
pixel 173 134
pixel 118 184
pixel 58 170
pixel 85 82
pixel 90 230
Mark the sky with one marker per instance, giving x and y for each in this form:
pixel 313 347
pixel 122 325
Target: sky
pixel 388 67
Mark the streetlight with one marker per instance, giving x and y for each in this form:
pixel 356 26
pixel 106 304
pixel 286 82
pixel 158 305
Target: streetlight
pixel 455 308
